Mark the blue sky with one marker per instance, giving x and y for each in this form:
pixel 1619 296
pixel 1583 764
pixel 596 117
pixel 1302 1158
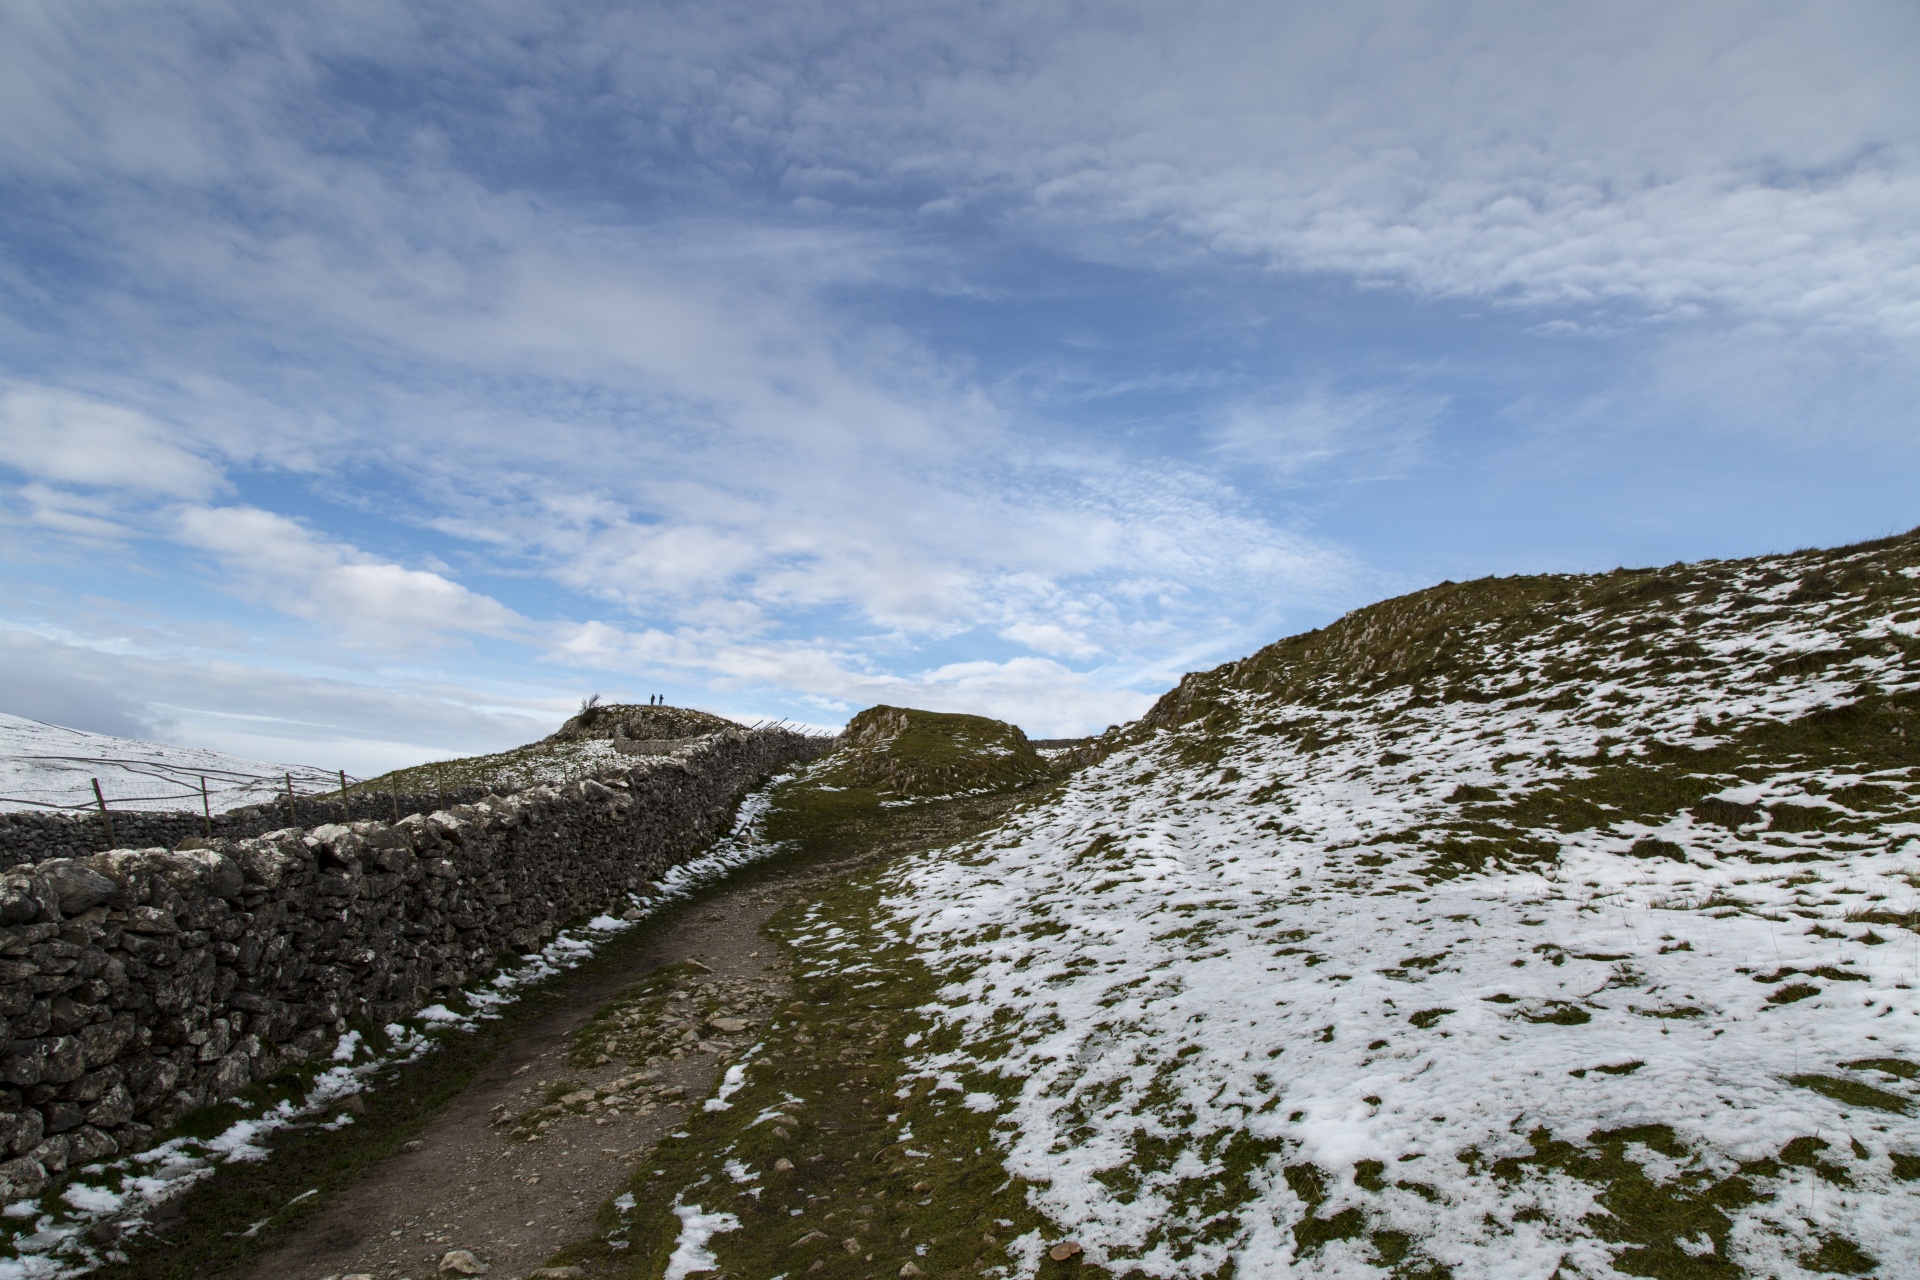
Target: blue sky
pixel 376 379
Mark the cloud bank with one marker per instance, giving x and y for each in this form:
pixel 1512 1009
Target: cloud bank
pixel 1005 358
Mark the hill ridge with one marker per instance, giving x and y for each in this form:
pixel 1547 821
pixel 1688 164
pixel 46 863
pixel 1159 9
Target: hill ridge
pixel 1517 927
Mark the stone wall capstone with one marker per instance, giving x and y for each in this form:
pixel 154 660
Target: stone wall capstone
pixel 29 837
pixel 137 984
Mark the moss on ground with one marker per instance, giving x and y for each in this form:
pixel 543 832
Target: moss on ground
pixel 896 753
pixel 834 1160
pixel 1579 643
pixel 535 763
pixel 884 1171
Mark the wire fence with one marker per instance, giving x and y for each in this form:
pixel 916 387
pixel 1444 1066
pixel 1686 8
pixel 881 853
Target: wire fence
pixel 60 783
pixel 101 783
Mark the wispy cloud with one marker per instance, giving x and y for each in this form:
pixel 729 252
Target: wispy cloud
pixel 258 709
pixel 70 439
pixel 748 346
pixel 1047 698
pixel 338 586
pixel 1321 432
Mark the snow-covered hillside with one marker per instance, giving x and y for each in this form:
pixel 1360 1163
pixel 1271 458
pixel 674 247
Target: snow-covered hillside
pixel 45 765
pixel 1522 928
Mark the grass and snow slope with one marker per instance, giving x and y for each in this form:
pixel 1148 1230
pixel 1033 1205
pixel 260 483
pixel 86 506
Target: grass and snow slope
pixel 1526 927
pixel 47 766
pixel 904 756
pixel 583 747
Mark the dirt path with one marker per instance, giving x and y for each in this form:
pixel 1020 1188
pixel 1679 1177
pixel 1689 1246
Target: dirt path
pixel 520 1163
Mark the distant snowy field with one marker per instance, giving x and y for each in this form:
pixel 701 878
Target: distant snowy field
pixel 45 766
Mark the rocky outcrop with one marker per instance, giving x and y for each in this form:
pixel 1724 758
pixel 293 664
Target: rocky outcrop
pixel 643 746
pixel 643 724
pixel 138 984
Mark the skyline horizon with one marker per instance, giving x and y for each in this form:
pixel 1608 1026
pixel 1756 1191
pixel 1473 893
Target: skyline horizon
pixel 378 379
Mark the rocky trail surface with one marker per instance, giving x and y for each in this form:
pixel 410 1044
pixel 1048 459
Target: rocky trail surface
pixel 545 1132
pixel 520 1163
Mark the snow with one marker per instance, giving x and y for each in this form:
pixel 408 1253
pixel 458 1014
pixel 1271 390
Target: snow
pixel 45 766
pixel 734 1081
pixel 131 1187
pixel 548 764
pixel 1171 967
pixel 697 1228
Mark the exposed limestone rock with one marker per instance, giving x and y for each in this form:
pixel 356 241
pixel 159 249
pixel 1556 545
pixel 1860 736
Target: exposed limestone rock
pixel 138 984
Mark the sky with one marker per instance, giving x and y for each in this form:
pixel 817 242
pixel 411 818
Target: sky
pixel 379 379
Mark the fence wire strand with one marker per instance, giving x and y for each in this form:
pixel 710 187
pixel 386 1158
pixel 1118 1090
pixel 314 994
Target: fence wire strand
pixel 151 786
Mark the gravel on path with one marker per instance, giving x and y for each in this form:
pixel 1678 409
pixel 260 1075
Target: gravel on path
pixel 510 1173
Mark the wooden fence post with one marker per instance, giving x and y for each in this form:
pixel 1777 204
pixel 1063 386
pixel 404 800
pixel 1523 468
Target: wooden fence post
pixel 293 814
pixel 106 820
pixel 345 812
pixel 206 807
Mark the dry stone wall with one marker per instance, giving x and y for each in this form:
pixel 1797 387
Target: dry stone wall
pixel 29 837
pixel 138 984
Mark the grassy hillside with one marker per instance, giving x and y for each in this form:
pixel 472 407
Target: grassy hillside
pixel 1530 926
pixel 903 755
pixel 804 1157
pixel 1556 926
pixel 580 748
pixel 599 720
pixel 893 759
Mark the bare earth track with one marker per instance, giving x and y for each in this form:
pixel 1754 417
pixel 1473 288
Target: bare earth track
pixel 511 1148
pixel 476 1182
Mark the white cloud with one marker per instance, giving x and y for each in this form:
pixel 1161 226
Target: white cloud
pixel 1051 639
pixel 67 438
pixel 1664 157
pixel 1352 435
pixel 677 416
pixel 1045 697
pixel 79 517
pixel 1720 155
pixel 337 585
pixel 1760 159
pixel 179 695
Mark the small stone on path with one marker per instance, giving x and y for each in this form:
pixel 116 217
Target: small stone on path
pixel 1064 1250
pixel 461 1262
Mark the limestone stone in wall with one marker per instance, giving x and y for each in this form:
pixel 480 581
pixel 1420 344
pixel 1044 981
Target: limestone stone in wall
pixel 32 837
pixel 138 984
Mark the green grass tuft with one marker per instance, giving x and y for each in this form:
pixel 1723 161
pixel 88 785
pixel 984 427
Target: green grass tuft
pixel 1853 1094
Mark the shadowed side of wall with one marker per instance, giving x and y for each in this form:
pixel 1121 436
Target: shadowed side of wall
pixel 138 984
